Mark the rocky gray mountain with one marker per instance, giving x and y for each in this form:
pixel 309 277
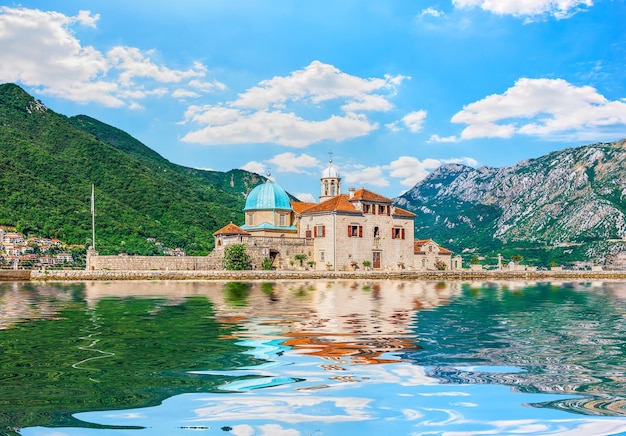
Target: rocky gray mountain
pixel 564 206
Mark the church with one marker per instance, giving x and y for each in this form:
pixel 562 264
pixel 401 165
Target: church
pixel 353 231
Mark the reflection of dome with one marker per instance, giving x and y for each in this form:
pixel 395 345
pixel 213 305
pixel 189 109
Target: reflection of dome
pixel 267 196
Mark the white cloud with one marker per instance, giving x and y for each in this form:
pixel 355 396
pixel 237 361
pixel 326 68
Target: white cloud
pixel 280 128
pixel 183 93
pixel 412 121
pixel 436 138
pixel 469 161
pixel 361 175
pixel 39 49
pixel 547 108
pixel 431 12
pixel 556 8
pixel 290 163
pixel 318 82
pixel 254 167
pixel 206 86
pixel 134 64
pixel 266 113
pixel 306 197
pixel 412 170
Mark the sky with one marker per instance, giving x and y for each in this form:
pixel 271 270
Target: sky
pixel 392 88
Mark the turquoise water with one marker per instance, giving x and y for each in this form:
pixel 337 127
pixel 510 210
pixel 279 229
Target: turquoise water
pixel 319 358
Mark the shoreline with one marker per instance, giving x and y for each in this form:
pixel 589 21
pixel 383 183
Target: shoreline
pixel 104 275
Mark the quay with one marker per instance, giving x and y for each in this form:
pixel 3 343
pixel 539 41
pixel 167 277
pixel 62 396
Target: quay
pixel 85 275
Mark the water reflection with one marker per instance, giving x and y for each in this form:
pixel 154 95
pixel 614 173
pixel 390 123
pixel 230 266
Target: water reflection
pixel 568 339
pixel 324 358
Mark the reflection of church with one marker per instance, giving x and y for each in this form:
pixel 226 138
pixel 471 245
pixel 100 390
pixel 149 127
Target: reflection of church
pixel 357 230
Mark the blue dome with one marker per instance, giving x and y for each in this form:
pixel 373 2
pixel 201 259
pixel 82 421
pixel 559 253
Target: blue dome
pixel 268 196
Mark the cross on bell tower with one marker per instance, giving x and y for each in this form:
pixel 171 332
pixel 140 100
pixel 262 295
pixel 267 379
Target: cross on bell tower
pixel 330 181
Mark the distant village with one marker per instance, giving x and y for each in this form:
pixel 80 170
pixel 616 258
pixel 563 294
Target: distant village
pixel 20 252
pixel 17 251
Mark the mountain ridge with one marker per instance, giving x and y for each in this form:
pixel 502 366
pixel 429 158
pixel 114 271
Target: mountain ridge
pixel 49 161
pixel 567 198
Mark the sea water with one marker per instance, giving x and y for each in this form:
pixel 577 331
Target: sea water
pixel 313 358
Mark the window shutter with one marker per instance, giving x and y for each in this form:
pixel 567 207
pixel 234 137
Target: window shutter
pixel 360 231
pixel 402 233
pixel 349 231
pixel 315 231
pixel 393 233
pixel 388 210
pixel 323 231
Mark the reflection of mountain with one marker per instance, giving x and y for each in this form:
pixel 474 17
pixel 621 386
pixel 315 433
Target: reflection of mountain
pixel 47 372
pixel 566 339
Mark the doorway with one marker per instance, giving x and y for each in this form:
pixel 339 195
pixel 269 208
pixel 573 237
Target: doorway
pixel 376 255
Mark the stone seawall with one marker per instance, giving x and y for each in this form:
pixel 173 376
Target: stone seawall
pixel 314 275
pixel 14 275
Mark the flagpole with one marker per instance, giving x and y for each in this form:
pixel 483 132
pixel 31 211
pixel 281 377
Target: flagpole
pixel 93 219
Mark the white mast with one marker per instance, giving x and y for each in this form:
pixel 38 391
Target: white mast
pixel 93 219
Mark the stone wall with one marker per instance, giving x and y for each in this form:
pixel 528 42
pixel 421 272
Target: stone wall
pixel 123 262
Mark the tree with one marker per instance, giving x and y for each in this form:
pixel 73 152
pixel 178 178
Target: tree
pixel 267 263
pixel 440 265
pixel 236 257
pixel 300 258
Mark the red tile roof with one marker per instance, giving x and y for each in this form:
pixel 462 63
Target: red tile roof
pixel 231 229
pixel 343 203
pixel 300 206
pixel 364 194
pixel 339 203
pixel 419 244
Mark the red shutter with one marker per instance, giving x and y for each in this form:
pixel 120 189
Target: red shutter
pixel 360 231
pixel 388 210
pixel 393 233
pixel 323 231
pixel 402 233
pixel 349 231
pixel 315 231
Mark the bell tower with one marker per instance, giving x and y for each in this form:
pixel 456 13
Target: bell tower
pixel 330 181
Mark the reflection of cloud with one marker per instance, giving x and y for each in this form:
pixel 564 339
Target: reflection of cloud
pixel 284 408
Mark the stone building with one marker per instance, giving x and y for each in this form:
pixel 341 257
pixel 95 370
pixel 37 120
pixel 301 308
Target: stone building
pixel 430 256
pixel 357 230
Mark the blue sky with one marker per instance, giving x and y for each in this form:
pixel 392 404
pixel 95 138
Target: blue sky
pixel 393 88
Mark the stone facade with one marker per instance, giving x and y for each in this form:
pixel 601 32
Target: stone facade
pixel 281 250
pixel 348 240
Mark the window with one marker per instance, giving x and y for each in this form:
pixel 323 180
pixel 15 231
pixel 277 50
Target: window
pixel 367 208
pixel 322 256
pixel 283 219
pixel 397 233
pixel 355 231
pixel 376 232
pixel 319 231
pixel 249 220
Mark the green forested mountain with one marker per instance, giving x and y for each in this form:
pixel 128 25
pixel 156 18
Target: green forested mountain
pixel 48 163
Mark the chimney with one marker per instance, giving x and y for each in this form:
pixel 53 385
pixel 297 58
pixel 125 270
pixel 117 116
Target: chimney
pixel 351 193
